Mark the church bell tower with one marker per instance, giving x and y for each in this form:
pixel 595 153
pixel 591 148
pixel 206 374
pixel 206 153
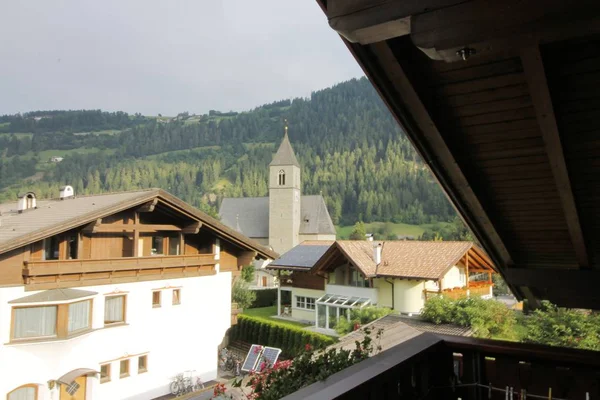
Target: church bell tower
pixel 284 197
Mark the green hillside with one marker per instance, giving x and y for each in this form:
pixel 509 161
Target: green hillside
pixel 350 148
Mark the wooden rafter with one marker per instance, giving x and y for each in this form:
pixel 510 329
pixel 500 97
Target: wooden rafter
pixel 149 206
pixel 533 68
pixel 117 228
pixel 92 225
pixel 408 99
pixel 192 228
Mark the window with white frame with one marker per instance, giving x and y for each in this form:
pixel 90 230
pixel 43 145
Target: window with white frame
pixel 307 303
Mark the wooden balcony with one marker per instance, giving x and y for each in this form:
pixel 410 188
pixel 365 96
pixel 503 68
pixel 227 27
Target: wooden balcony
pixel 451 367
pixel 475 289
pixel 61 267
pixel 86 272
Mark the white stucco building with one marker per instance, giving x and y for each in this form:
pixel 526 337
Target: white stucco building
pixel 111 296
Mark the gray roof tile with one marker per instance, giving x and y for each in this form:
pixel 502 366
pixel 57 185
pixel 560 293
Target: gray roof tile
pixel 285 154
pixel 56 216
pixel 50 213
pixel 54 295
pixel 251 214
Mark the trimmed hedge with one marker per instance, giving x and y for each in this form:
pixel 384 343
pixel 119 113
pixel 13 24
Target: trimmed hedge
pixel 290 340
pixel 264 298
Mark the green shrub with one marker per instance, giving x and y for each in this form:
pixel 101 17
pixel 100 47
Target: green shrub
pixel 563 327
pixel 360 316
pixel 241 295
pixel 264 298
pixel 487 318
pixel 248 273
pixel 290 339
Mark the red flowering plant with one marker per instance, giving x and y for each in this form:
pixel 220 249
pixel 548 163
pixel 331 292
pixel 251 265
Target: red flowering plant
pixel 273 382
pixel 219 391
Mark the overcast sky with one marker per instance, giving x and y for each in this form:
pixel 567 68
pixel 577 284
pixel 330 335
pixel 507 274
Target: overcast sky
pixel 165 56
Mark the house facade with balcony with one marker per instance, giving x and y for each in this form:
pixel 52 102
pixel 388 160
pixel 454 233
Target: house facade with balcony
pixel 110 296
pixel 325 280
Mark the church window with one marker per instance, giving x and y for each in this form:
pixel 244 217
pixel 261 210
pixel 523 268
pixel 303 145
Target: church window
pixel 281 177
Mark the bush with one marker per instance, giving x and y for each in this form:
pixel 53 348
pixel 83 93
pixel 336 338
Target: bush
pixel 500 287
pixel 555 326
pixel 290 339
pixel 360 316
pixel 487 318
pixel 265 298
pixel 241 295
pixel 248 273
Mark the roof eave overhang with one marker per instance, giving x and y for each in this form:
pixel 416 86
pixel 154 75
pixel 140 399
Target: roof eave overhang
pixel 418 278
pixel 376 74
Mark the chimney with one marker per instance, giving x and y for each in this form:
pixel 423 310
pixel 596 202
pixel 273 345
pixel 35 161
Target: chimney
pixel 369 237
pixel 377 253
pixel 66 192
pixel 26 201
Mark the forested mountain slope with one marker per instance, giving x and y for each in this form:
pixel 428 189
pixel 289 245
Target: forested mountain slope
pixel 349 147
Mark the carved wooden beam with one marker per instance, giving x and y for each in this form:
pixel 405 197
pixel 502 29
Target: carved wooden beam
pixel 148 207
pixel 119 228
pixel 90 228
pixel 192 228
pixel 533 69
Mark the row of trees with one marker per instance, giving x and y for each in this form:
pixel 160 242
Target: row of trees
pixel 69 121
pixel 349 147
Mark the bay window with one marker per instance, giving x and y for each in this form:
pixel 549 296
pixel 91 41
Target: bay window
pixel 51 321
pixel 79 316
pixel 34 322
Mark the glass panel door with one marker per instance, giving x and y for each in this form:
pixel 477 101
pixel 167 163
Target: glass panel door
pixel 322 320
pixel 332 317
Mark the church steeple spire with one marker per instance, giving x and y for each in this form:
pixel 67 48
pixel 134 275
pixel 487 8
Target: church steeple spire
pixel 285 154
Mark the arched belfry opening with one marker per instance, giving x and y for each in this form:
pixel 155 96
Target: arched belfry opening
pixel 281 177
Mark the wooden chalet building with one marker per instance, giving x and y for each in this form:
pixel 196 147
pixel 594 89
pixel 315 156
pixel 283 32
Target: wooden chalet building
pixel 325 280
pixel 110 296
pixel 501 100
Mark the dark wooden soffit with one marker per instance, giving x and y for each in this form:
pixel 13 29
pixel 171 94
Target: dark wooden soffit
pixel 388 77
pixel 512 185
pixel 535 73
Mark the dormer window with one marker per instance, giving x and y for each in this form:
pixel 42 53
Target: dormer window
pixel 281 177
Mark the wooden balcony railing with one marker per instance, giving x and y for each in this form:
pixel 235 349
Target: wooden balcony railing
pixel 65 267
pixel 432 366
pixel 475 289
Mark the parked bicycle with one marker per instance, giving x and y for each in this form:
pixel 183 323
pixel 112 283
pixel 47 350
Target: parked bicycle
pixel 229 362
pixel 184 384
